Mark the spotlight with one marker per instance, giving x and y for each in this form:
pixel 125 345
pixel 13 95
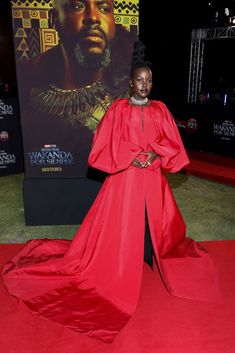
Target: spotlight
pixel 232 21
pixel 221 12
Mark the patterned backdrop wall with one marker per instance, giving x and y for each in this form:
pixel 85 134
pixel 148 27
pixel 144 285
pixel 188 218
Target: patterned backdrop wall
pixel 32 31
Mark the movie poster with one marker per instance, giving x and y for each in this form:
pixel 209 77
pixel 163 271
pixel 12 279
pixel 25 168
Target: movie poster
pixel 73 59
pixel 10 138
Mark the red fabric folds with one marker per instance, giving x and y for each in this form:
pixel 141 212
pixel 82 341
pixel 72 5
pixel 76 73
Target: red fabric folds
pixel 92 284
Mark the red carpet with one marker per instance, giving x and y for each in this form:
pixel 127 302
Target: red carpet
pixel 161 323
pixel 212 167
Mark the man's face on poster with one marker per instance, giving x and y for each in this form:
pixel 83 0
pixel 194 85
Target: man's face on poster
pixel 87 23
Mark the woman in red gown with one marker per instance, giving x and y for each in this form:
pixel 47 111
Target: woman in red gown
pixel 92 284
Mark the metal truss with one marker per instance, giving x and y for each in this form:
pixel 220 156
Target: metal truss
pixel 198 37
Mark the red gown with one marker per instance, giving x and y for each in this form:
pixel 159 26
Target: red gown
pixel 92 284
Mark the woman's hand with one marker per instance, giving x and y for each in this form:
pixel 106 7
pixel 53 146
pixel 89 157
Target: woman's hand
pixel 137 163
pixel 151 156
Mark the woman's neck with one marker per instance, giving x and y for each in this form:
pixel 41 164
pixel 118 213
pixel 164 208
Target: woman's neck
pixel 140 101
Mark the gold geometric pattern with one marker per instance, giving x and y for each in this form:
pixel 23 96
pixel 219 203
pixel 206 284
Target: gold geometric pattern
pixel 20 33
pixel 26 23
pixel 31 4
pixel 48 39
pixel 16 13
pixel 29 14
pixel 24 55
pixel 43 23
pixel 22 46
pixel 126 13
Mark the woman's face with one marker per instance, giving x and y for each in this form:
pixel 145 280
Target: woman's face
pixel 141 82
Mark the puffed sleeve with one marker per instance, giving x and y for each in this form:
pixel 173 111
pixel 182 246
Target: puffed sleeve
pixel 111 151
pixel 169 146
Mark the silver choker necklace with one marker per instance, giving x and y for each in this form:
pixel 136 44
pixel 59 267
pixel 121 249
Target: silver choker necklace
pixel 139 101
